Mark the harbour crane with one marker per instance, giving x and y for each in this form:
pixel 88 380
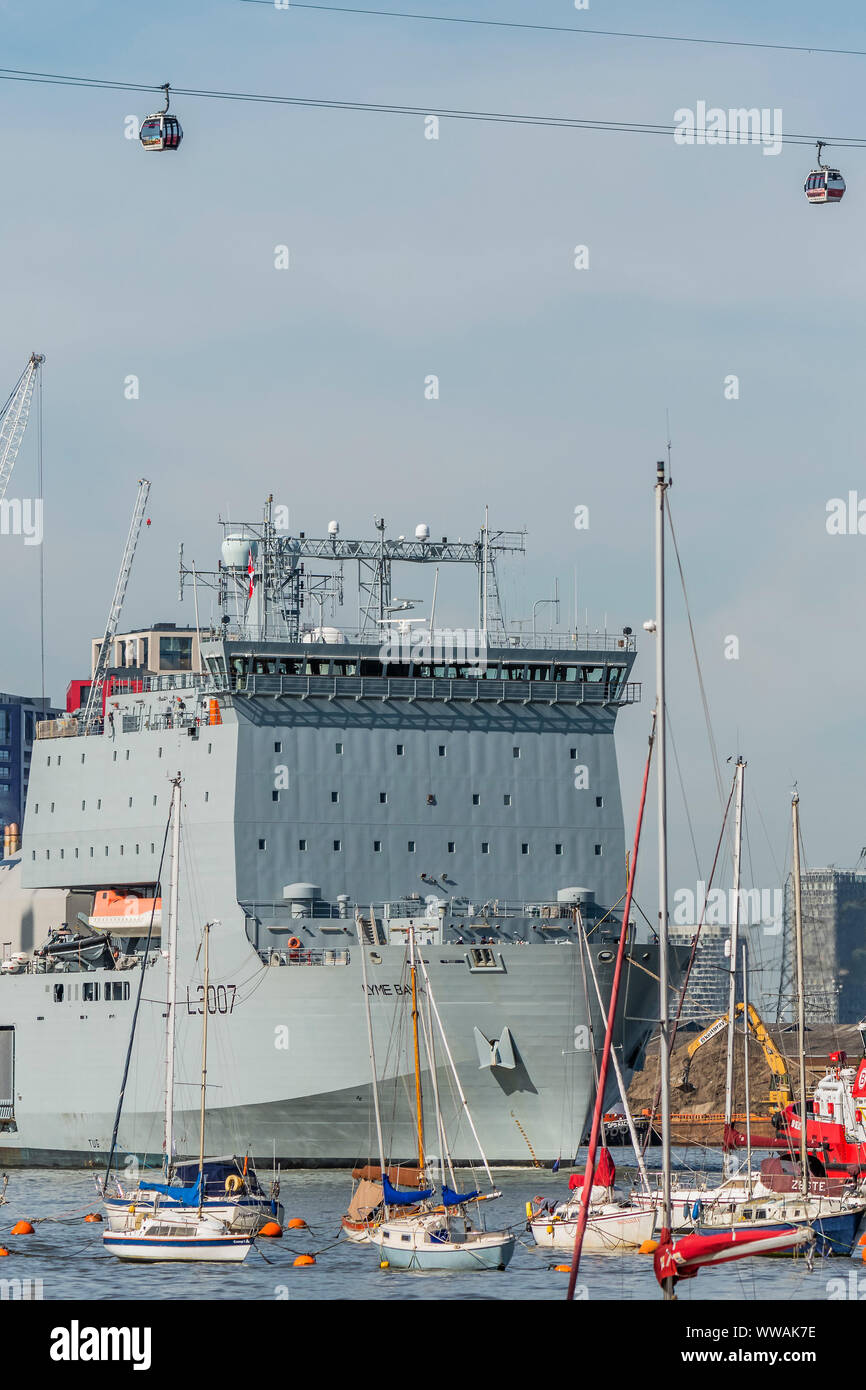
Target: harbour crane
pixel 14 417
pixel 93 711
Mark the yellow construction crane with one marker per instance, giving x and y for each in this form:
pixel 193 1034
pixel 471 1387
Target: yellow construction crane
pixel 780 1096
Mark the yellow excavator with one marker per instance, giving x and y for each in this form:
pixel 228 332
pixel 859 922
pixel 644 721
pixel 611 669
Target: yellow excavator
pixel 780 1096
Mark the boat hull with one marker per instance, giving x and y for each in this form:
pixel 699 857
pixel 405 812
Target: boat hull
pixel 619 1229
pixel 484 1251
pixel 227 1249
pixel 290 1070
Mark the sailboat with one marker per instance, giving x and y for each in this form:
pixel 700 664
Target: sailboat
pixel 596 1218
pixel 683 1258
pixel 440 1234
pixel 174 1221
pixel 834 1218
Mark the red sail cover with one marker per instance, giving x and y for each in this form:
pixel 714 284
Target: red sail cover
pixel 682 1259
pixel 605 1172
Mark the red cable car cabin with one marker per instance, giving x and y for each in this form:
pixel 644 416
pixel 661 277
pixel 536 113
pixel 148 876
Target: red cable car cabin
pixel 824 186
pixel 160 132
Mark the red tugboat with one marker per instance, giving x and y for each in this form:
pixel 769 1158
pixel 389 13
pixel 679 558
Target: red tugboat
pixel 836 1116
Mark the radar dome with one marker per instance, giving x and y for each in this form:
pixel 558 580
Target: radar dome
pixel 236 552
pixel 333 528
pixel 422 532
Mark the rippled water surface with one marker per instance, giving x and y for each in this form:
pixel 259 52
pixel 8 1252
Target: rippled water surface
pixel 66 1254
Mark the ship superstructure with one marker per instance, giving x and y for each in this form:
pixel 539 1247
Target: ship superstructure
pixel 338 784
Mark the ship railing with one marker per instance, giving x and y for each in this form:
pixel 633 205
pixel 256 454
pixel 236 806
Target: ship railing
pixel 304 956
pixel 410 688
pixel 496 641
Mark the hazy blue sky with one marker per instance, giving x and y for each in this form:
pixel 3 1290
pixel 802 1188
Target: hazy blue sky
pixel 454 257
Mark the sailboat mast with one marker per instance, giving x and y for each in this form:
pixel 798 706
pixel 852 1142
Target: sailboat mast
pixel 661 725
pixel 733 944
pixel 207 927
pixel 370 1047
pixel 801 992
pixel 746 1067
pixel 418 1102
pixel 171 974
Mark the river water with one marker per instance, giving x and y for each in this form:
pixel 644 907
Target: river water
pixel 66 1255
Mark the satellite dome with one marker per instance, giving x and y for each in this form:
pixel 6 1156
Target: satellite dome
pixel 333 528
pixel 422 532
pixel 236 551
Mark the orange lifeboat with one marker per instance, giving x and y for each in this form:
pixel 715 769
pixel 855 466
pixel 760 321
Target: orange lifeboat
pixel 124 914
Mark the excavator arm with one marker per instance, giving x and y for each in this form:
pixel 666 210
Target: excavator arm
pixel 780 1095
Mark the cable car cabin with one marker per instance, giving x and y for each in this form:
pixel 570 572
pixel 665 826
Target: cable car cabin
pixel 160 132
pixel 824 186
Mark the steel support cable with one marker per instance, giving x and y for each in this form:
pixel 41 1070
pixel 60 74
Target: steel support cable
pixel 704 700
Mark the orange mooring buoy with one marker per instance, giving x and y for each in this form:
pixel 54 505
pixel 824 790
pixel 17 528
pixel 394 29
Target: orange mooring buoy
pixel 22 1228
pixel 271 1228
pixel 649 1247
pixel 93 1216
pixel 305 1260
pixel 562 1269
pixel 297 1223
pixel 3 1251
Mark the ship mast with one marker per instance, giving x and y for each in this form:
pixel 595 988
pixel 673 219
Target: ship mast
pixel 418 1102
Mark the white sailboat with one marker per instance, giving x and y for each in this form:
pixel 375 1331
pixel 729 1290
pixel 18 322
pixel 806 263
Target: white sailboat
pixel 165 1221
pixel 440 1234
pixel 614 1222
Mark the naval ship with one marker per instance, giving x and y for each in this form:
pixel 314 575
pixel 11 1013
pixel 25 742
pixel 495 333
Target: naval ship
pixel 340 785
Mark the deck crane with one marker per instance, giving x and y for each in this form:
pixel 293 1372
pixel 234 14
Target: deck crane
pixel 93 712
pixel 13 419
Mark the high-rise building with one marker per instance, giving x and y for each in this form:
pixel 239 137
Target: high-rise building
pixel 834 947
pixel 18 716
pixel 706 996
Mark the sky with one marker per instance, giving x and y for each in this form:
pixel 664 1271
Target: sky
pixel 455 257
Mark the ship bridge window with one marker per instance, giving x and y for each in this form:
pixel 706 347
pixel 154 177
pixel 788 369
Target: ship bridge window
pixel 58 994
pixel 264 666
pixel 175 653
pixel 371 668
pixel 615 678
pixel 592 675
pixel 318 668
pixel 239 667
pixel 566 673
pixel 399 670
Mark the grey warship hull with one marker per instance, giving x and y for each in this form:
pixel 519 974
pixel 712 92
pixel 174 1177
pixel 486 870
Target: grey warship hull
pixel 332 794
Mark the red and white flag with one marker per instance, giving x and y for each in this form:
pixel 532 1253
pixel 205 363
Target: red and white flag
pixel 251 569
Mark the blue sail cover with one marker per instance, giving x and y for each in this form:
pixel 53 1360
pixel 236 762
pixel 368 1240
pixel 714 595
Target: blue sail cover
pixel 187 1196
pixel 453 1199
pixel 395 1198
